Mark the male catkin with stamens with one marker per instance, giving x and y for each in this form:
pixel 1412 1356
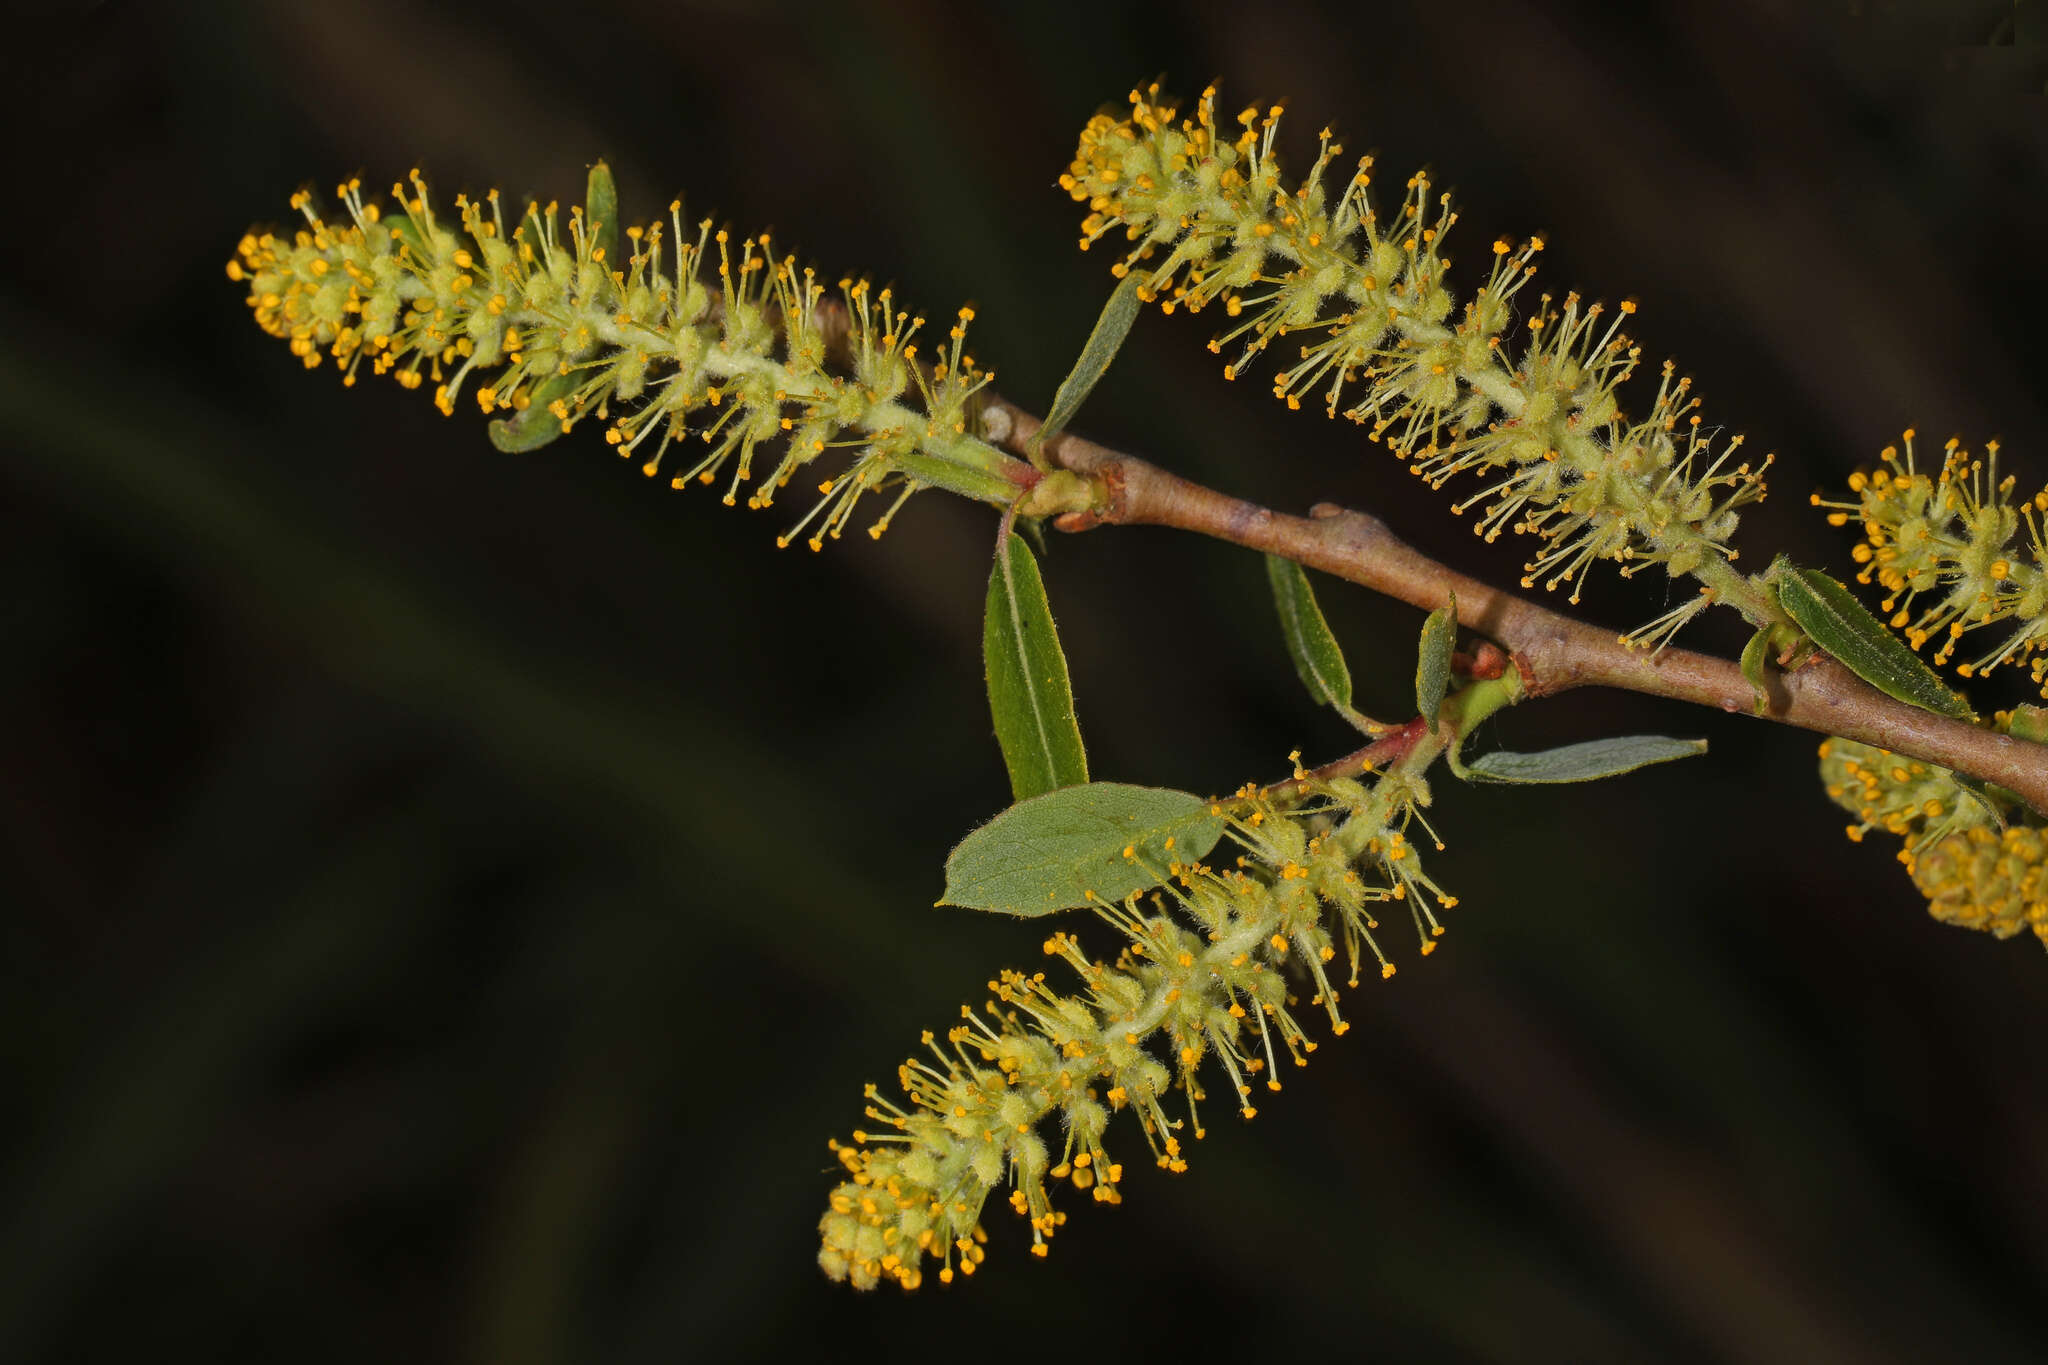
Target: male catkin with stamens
pixel 1212 221
pixel 1203 972
pixel 1960 546
pixel 536 317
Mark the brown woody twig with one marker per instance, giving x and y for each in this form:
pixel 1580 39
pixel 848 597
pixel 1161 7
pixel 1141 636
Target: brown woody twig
pixel 1555 652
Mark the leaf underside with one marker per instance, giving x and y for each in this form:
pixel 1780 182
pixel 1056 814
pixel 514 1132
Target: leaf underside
pixel 1585 762
pixel 1050 852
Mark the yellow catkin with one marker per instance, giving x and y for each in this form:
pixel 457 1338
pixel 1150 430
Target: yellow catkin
pixel 664 333
pixel 1979 867
pixel 1357 307
pixel 1985 879
pixel 1954 550
pixel 1201 977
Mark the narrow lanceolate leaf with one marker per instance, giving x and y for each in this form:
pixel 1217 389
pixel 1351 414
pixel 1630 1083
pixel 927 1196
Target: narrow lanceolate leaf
pixel 534 425
pixel 1028 692
pixel 404 229
pixel 1106 840
pixel 601 203
pixel 1110 330
pixel 1753 656
pixel 1433 662
pixel 1309 641
pixel 1830 614
pixel 969 481
pixel 1586 762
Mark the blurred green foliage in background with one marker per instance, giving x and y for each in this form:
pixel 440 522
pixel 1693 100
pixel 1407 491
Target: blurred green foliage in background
pixel 452 897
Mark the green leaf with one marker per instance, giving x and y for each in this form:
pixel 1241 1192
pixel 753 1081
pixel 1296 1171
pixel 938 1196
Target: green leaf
pixel 1033 530
pixel 534 425
pixel 1433 662
pixel 1753 655
pixel 1028 691
pixel 1830 614
pixel 1110 330
pixel 1310 643
pixel 1048 853
pixel 402 227
pixel 1586 762
pixel 969 481
pixel 601 213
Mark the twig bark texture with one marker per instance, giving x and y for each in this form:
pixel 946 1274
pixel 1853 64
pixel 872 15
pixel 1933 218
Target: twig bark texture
pixel 1555 652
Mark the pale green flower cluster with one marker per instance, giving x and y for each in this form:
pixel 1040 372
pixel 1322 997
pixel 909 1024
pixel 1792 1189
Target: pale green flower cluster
pixel 1380 334
pixel 1204 972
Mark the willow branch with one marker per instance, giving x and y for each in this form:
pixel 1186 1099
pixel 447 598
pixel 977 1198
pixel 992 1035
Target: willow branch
pixel 1556 653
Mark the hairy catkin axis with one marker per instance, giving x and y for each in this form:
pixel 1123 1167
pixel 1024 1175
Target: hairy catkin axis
pixel 1374 326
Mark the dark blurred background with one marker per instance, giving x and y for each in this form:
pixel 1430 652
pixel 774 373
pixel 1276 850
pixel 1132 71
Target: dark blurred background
pixel 452 897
